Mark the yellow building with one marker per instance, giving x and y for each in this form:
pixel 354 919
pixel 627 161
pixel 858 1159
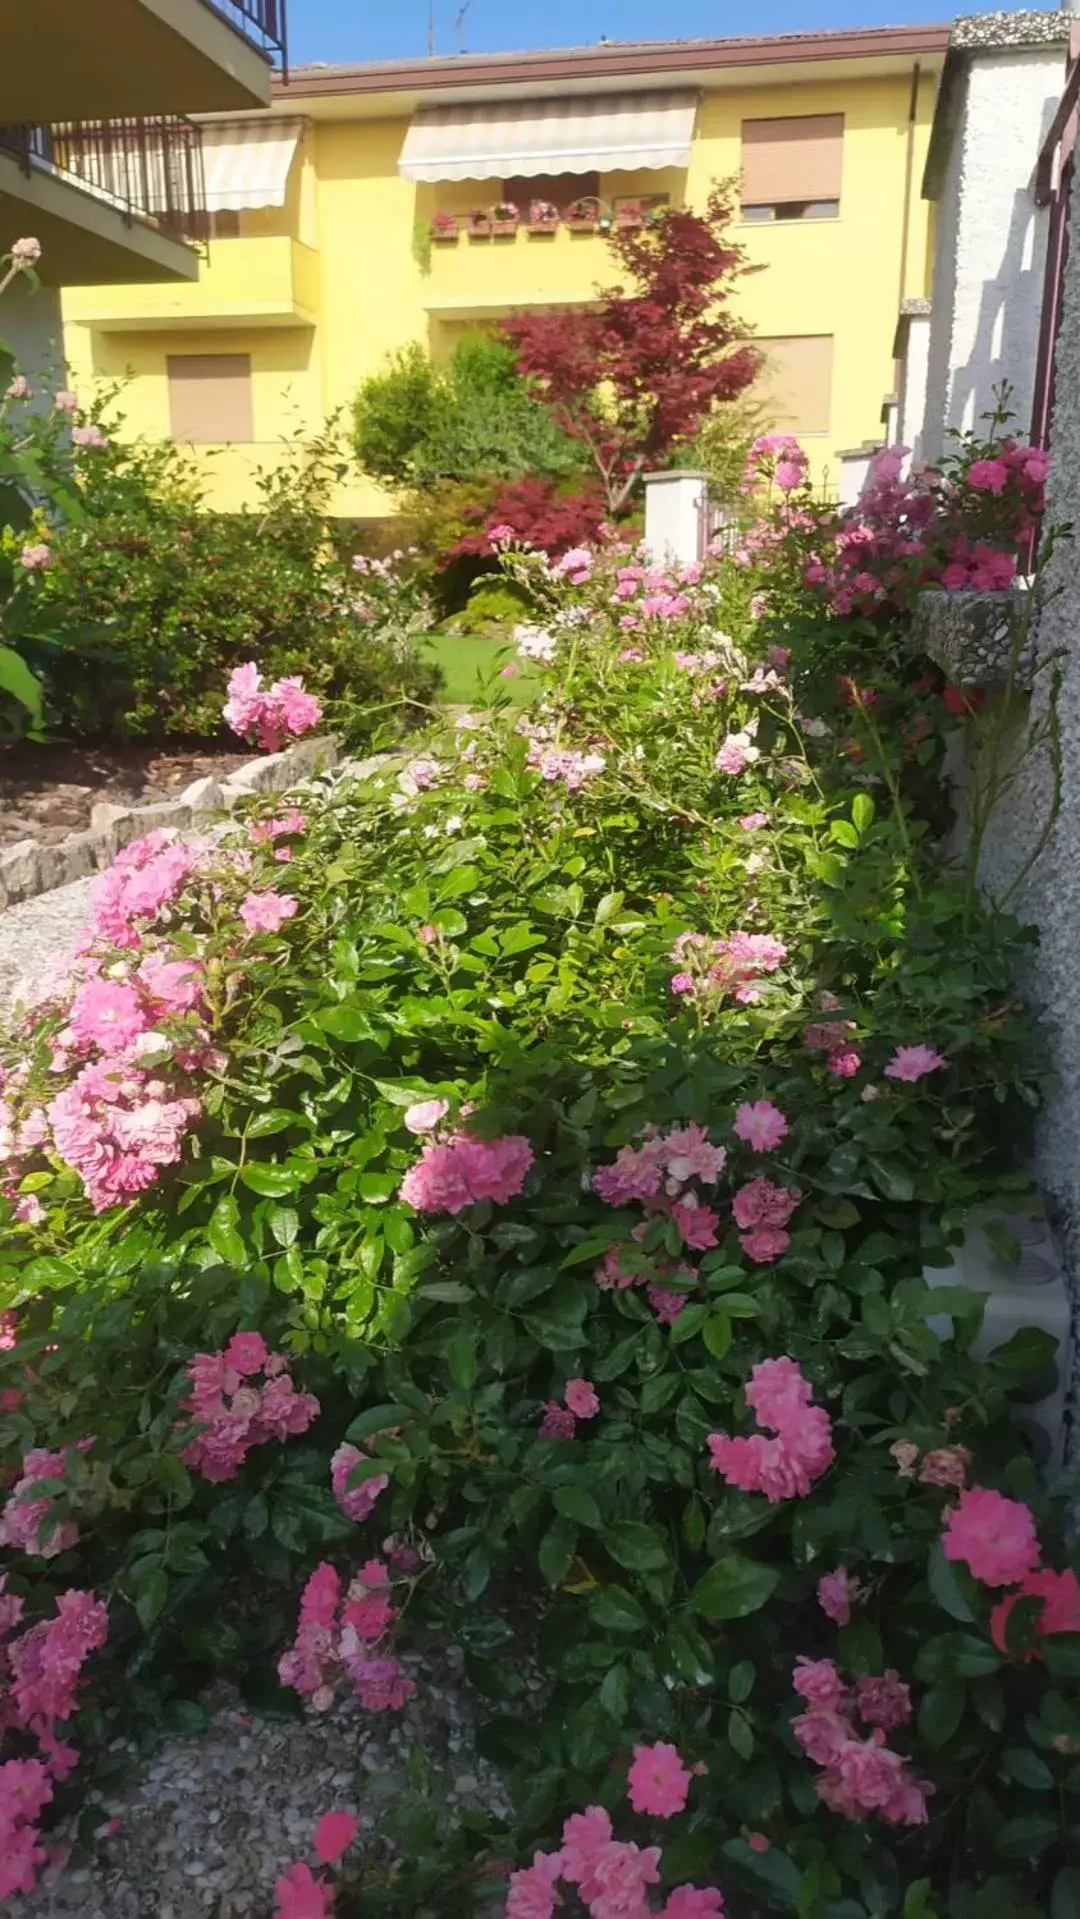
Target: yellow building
pixel 352 218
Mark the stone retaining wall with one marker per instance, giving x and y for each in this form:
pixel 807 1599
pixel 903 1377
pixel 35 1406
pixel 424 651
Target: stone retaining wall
pixel 28 868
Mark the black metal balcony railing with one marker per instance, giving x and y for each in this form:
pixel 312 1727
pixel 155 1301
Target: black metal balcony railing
pixel 262 21
pixel 150 170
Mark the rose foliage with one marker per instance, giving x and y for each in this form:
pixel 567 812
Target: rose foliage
pixel 490 1206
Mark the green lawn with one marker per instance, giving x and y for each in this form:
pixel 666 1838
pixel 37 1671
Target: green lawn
pixel 466 660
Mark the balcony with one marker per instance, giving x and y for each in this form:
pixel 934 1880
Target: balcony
pixel 475 277
pixel 269 281
pixel 114 199
pixel 65 59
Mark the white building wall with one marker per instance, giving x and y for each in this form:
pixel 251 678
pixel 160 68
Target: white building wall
pixel 991 241
pixel 914 384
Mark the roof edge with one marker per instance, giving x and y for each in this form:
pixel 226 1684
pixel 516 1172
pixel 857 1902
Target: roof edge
pixel 625 59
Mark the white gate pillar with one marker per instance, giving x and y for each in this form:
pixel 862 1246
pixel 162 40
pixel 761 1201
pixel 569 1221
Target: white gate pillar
pixel 676 516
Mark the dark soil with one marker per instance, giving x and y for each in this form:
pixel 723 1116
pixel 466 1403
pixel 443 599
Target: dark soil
pixel 47 792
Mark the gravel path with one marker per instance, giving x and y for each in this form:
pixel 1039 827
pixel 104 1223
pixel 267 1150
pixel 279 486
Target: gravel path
pixel 208 1823
pixel 37 936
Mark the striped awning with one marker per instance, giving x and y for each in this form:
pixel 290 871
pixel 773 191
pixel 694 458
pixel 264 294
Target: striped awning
pixel 609 132
pixel 246 162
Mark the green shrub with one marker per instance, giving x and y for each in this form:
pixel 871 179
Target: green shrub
pixel 149 600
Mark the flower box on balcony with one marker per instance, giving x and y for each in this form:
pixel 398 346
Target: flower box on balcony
pixel 543 217
pixel 629 215
pixel 504 220
pixel 585 216
pixel 444 227
pixel 480 226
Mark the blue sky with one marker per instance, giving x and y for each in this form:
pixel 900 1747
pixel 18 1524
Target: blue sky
pixel 338 30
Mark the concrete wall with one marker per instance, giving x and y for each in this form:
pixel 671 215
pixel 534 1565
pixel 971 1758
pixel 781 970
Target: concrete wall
pixel 991 240
pixel 914 380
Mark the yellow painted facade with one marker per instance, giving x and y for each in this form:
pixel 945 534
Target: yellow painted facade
pixel 318 292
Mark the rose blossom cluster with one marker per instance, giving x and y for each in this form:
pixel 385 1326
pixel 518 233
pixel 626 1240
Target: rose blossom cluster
pixel 612 1877
pixel 831 1037
pixel 462 1170
pixel 785 1466
pixel 23 1517
pixel 580 1401
pixel 775 456
pixel 762 1211
pixel 236 1409
pixel 274 714
pixel 357 1501
pixel 648 593
pixel 996 1539
pixel 657 1175
pixel 40 1669
pixel 337 1638
pixel 574 769
pixel 734 964
pixel 861 1778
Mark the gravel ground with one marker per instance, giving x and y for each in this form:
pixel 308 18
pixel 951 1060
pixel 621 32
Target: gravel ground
pixel 209 1822
pixel 37 936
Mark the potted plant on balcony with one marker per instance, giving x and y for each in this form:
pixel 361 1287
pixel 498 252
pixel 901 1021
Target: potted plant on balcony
pixel 505 217
pixel 543 216
pixel 444 226
pixel 480 223
pixel 585 215
pixel 629 214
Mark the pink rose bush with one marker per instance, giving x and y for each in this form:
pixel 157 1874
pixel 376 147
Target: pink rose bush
pixel 271 715
pixel 462 1171
pixel 41 1667
pixel 785 1466
pixel 861 1777
pixel 340 1638
pixel 613 1877
pixel 240 1398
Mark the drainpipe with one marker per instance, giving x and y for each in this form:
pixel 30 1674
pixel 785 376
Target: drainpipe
pixel 905 221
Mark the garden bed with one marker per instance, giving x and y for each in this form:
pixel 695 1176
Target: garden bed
pixel 49 792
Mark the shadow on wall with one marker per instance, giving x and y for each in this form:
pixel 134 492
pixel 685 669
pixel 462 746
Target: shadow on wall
pixel 1007 329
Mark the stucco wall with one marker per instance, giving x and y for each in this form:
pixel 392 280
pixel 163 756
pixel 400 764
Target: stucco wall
pixel 991 240
pixel 31 325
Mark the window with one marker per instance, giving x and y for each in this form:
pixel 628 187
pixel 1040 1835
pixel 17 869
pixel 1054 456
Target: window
pixel 210 397
pixel 562 189
pixel 795 382
pixel 225 225
pixel 791 168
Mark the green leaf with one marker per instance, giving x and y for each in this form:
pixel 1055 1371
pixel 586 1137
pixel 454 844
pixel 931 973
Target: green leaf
pixel 941 1711
pixel 1027 1769
pixel 17 679
pixel 615 1693
pixel 1065 1897
pixel 741 1681
pixel 452 1292
pixel 716 1334
pixel 284 1224
pixel 942 1579
pixel 222 1234
pixel 347 1021
pixel 616 1610
pixel 557 1549
pixel 636 1546
pixel 273 1182
pixel 740 1735
pixel 151 1594
pixel 460 1355
pixel 734 1588
pixel 1027 1838
pixel 573 1502
pixel 862 811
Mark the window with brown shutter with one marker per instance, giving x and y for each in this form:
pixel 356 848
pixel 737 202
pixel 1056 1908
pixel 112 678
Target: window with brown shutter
pixel 791 168
pixel 210 397
pixel 558 189
pixel 794 385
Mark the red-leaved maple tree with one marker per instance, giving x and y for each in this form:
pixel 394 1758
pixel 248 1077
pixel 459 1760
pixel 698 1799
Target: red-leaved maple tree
pixel 632 377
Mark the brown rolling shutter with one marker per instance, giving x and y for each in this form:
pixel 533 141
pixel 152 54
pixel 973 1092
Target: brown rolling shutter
pixel 210 397
pixel 794 159
pixel 795 382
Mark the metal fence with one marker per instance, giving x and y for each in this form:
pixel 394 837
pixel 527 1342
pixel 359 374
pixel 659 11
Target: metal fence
pixel 260 20
pixel 150 170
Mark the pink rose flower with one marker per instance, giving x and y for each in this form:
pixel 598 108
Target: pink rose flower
pixel 835 1592
pixel 913 1062
pixel 762 1125
pixel 993 1536
pixel 267 912
pixel 582 1398
pixel 658 1782
pixel 1060 1594
pixel 988 476
pixel 425 1115
pixel 334 1834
